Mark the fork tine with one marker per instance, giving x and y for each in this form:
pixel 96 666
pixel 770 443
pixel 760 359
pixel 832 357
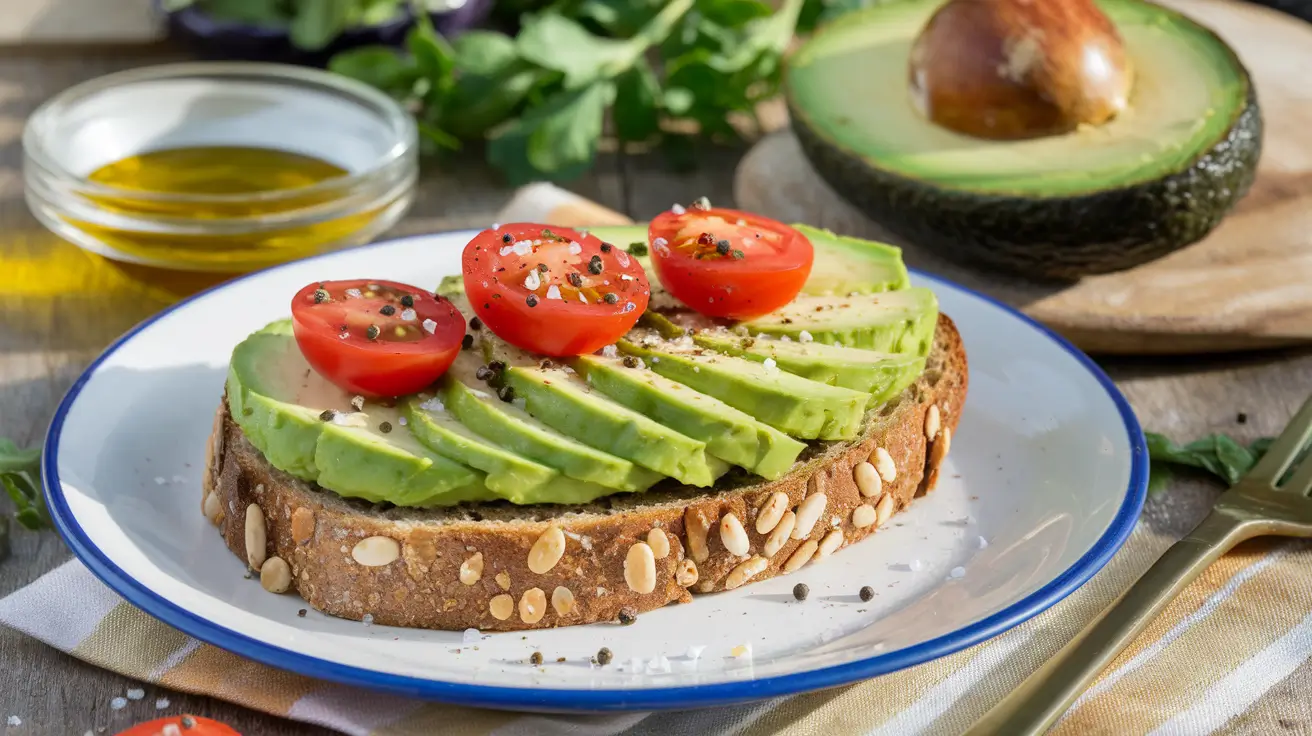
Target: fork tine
pixel 1286 447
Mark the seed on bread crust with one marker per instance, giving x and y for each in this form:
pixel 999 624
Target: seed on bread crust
pixel 697 526
pixel 532 606
pixel 830 544
pixel 640 568
pixel 771 512
pixel 562 600
pixel 745 571
pixel 547 551
pixel 938 451
pixel 801 556
pixel 376 551
pixel 815 484
pixel 687 573
pixel 302 525
pixel 883 462
pixel 257 536
pixel 863 516
pixel 733 536
pixel 501 607
pixel 503 580
pixel 213 508
pixel 659 543
pixel 779 536
pixel 867 479
pixel 276 575
pixel 884 509
pixel 471 570
pixel 932 422
pixel 808 513
pixel 628 616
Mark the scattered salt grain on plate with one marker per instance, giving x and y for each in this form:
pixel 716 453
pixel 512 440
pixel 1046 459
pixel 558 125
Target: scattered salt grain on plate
pixel 368 619
pixel 162 703
pixel 983 543
pixel 916 565
pixel 14 721
pixel 118 703
pixel 695 651
pixel 159 480
pixel 179 479
pixel 471 636
pixel 958 572
pixel 136 693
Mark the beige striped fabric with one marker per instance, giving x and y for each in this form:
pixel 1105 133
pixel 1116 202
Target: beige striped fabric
pixel 1230 655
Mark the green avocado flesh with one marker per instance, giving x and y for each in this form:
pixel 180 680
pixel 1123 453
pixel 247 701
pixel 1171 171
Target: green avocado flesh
pixel 729 434
pixel 278 400
pixel 792 404
pixel 851 81
pixel 882 375
pixel 505 424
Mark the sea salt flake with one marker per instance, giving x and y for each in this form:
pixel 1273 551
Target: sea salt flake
pixel 408 315
pixel 403 421
pixel 623 259
pixel 625 277
pixel 695 651
pixel 628 307
pixel 433 404
pixel 522 248
pixel 770 364
pixel 179 479
pixel 916 565
pixel 162 703
pixel 496 226
pixel 171 729
pixel 471 636
pixel 983 543
pixel 429 326
pixel 957 573
pixel 118 703
pixel 575 248
pixel 368 619
pixel 610 351
pixel 136 693
pixel 14 721
pixel 678 209
pixel 160 480
pixel 353 294
pixel 506 250
pixel 553 292
pixel 532 281
pixel 804 336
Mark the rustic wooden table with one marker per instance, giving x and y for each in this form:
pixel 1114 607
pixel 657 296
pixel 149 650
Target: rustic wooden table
pixel 59 307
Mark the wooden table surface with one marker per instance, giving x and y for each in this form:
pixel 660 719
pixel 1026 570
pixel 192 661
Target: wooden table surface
pixel 59 308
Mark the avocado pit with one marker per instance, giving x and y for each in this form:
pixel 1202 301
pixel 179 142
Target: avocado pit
pixel 1015 69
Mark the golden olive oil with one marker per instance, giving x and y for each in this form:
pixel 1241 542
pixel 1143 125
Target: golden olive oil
pixel 218 195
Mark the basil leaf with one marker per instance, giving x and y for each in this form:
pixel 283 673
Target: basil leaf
pixel 379 66
pixel 14 460
pixel 637 104
pixel 485 53
pixel 433 57
pixel 556 140
pixel 479 103
pixel 553 41
pixel 316 24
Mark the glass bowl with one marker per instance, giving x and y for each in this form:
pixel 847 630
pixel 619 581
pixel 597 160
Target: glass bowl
pixel 271 106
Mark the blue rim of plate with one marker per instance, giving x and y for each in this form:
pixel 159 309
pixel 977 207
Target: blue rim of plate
pixel 575 701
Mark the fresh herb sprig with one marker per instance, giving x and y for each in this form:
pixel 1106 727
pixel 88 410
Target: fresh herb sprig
pixel 20 474
pixel 1216 454
pixel 662 70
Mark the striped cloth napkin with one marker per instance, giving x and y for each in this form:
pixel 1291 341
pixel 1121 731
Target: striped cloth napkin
pixel 1230 655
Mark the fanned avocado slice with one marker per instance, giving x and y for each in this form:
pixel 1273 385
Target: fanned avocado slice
pixel 789 403
pixel 307 427
pixel 882 375
pixel 729 434
pixel 844 266
pixel 1158 176
pixel 893 322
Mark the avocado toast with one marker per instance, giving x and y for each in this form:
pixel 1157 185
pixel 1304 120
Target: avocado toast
pixel 530 489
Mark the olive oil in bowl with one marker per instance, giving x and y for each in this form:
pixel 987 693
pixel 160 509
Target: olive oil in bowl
pixel 219 167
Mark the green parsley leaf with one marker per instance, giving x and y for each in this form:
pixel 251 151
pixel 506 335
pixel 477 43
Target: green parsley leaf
pixel 20 476
pixel 1216 454
pixel 316 24
pixel 637 104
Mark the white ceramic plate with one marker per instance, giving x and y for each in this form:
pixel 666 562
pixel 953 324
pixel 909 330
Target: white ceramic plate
pixel 1046 477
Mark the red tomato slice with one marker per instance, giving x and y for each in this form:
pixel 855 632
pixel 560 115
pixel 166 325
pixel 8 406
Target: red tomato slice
pixel 726 263
pixel 553 290
pixel 376 338
pixel 180 726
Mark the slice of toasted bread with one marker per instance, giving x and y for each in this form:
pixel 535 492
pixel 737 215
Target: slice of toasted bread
pixel 496 566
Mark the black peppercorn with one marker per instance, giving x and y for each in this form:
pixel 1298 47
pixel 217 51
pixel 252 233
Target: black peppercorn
pixel 800 591
pixel 536 658
pixel 467 342
pixel 611 298
pixel 628 616
pixel 866 593
pixel 388 310
pixel 604 656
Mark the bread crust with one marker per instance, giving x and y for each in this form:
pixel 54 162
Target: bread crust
pixel 403 567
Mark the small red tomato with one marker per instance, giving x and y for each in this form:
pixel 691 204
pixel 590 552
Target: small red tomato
pixel 553 290
pixel 729 264
pixel 180 726
pixel 376 338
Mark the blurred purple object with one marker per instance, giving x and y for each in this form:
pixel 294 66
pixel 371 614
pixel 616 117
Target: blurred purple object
pixel 218 39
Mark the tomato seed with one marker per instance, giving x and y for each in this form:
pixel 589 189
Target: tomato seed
pixel 321 296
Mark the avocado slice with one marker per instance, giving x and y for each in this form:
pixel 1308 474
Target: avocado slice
pixel 789 403
pixel 844 266
pixel 562 400
pixel 729 434
pixel 893 322
pixel 1100 198
pixel 519 432
pixel 279 401
pixel 882 375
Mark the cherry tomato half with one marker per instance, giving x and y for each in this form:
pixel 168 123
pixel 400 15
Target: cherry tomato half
pixel 376 338
pixel 181 726
pixel 730 264
pixel 553 290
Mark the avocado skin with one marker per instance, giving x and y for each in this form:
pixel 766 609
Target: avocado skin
pixel 1051 237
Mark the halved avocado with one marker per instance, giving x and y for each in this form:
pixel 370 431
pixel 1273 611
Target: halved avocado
pixel 1101 198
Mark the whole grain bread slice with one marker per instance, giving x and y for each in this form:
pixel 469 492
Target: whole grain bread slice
pixel 500 567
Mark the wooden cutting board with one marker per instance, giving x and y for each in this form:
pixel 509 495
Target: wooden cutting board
pixel 1247 285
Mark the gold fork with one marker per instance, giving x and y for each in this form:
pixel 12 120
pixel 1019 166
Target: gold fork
pixel 1258 505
